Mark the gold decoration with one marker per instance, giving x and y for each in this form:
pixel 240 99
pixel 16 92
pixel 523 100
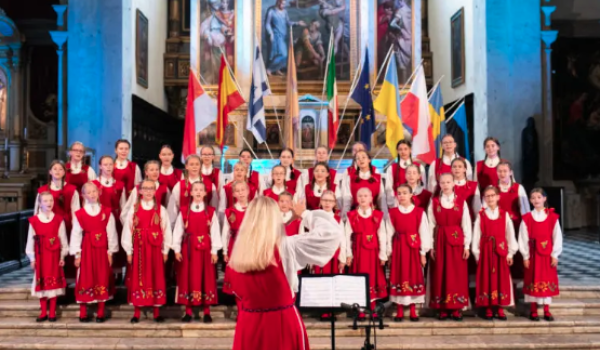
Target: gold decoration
pixel 544 244
pixel 369 238
pixel 98 236
pixel 231 217
pixel 52 240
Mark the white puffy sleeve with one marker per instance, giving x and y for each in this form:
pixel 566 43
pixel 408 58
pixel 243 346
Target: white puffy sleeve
pixel 30 246
pixel 173 206
pixel 382 236
pixel 524 241
pixel 389 186
pixel 222 202
pixel 126 235
pixel 138 176
pixel 423 175
pixel 315 247
pixel 348 238
pixel 391 231
pixel 122 201
pixel 221 183
pixel 113 236
pixel 215 235
pixel 214 201
pixel 64 241
pixel 339 200
pixel 91 174
pixel 469 170
pixel 343 244
pixel 466 225
pixel 178 231
pixel 167 231
pixel 346 194
pixel 382 201
pixel 523 201
pixel 225 236
pixel 557 240
pixel 476 205
pixel 76 237
pixel 511 238
pixel 425 234
pixel 75 203
pixel 431 180
pixel 432 223
pixel 476 237
pixel 129 204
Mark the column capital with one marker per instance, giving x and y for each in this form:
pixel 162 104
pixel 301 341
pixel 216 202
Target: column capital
pixel 549 37
pixel 547 10
pixel 59 37
pixel 60 12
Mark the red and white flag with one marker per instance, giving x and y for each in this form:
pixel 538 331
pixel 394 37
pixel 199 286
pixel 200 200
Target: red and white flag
pixel 415 114
pixel 200 112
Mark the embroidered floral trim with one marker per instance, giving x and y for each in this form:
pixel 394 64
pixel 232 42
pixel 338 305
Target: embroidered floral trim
pixel 95 291
pixel 450 299
pixel 540 287
pixel 492 296
pixel 197 296
pixel 148 293
pixel 50 282
pixel 405 287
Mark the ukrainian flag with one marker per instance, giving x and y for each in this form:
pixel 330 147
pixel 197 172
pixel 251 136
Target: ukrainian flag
pixel 388 104
pixel 438 118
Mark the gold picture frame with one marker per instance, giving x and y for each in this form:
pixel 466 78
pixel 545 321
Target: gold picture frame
pixel 273 138
pixel 206 137
pixel 141 49
pixel 345 133
pixel 457 47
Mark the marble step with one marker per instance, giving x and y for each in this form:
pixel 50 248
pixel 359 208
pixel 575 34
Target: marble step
pixel 494 342
pixel 224 328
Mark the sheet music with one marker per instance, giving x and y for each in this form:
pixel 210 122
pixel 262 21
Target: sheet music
pixel 316 292
pixel 349 290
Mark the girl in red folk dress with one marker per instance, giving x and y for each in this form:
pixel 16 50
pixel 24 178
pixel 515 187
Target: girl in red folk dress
pixel 486 173
pixel 321 156
pixel 147 240
pixel 196 241
pixel 47 248
pixel 210 174
pixel 253 176
pixel 168 174
pixel 77 172
pixel 231 225
pixel 293 177
pixel 293 224
pixel 126 171
pixel 112 195
pixel 356 147
pixel 444 165
pixel 408 241
pixel 540 243
pixel 320 182
pixel 366 238
pixel 162 194
pixel 277 184
pixel 494 245
pixel 396 173
pixel 264 264
pixel 420 196
pixel 66 203
pixel 450 224
pixel 93 242
pixel 181 195
pixel 464 188
pixel 513 200
pixel 226 199
pixel 365 177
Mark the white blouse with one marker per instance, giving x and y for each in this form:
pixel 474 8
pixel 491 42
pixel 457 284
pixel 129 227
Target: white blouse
pixel 382 234
pixel 490 163
pixel 557 238
pixel 173 204
pixel 226 232
pixel 215 231
pixel 513 246
pixel 447 202
pixel 62 236
pixel 390 191
pixel 424 232
pixel 347 194
pixel 476 205
pixel 77 231
pixel 133 198
pixel 76 169
pixel 126 237
pixel 75 202
pixel 104 182
pixel 138 173
pixel 166 171
pixel 431 179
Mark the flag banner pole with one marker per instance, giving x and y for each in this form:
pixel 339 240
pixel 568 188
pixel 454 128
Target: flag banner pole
pixel 329 52
pixel 349 140
pixel 248 144
pixel 385 62
pixel 269 150
pixel 278 124
pixel 454 105
pixel 380 150
pixel 434 87
pixel 230 70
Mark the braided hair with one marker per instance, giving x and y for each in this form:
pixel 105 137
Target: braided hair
pixel 371 169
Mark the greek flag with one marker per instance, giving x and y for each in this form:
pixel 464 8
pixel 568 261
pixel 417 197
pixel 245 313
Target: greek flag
pixel 258 89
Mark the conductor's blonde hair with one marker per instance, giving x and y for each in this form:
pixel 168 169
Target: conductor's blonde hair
pixel 258 238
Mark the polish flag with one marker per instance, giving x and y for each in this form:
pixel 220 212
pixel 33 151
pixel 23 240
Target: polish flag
pixel 200 112
pixel 415 114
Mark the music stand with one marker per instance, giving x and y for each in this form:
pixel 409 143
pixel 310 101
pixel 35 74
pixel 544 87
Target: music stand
pixel 326 293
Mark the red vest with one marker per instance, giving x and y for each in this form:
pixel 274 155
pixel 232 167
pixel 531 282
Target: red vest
pixel 540 233
pixel 332 173
pixel 209 180
pixel 79 179
pixel 313 202
pixel 407 224
pixel 127 176
pixel 448 221
pixel 110 196
pixel 422 199
pixel 147 227
pixel 229 193
pixel 269 193
pixel 62 203
pixel 254 179
pixel 509 201
pixel 290 184
pixel 467 193
pixel 197 228
pixel 486 176
pixel 364 230
pixel 234 217
pixel 399 174
pixel 374 185
pixel 292 227
pixel 494 230
pixel 170 180
pixel 94 227
pixel 47 254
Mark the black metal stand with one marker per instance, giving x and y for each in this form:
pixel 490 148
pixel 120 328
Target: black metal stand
pixel 370 325
pixel 332 330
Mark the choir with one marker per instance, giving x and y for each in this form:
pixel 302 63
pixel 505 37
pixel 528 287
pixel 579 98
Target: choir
pixel 419 236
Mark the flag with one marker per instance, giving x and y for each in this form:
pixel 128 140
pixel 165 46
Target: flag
pixel 388 104
pixel 229 98
pixel 259 88
pixel 332 96
pixel 292 109
pixel 457 127
pixel 362 96
pixel 415 114
pixel 200 112
pixel 438 119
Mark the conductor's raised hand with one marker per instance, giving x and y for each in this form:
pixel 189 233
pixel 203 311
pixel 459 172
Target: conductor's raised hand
pixel 299 208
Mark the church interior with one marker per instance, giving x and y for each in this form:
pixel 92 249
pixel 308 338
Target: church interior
pixel 89 71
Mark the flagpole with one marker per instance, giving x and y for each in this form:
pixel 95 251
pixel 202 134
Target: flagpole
pixel 455 103
pixel 349 139
pixel 265 97
pixel 230 70
pixel 329 52
pixel 387 57
pixel 247 143
pixel 380 149
pixel 434 86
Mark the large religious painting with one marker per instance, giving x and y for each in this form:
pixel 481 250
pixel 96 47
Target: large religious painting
pixel 217 37
pixel 207 136
pixel 457 44
pixel 141 49
pixel 312 23
pixel 394 26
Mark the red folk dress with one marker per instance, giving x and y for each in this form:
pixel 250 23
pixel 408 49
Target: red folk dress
pixel 126 176
pixel 269 192
pixel 313 202
pixel 511 203
pixel 110 197
pixel 422 199
pixel 470 194
pixel 486 175
pixel 196 275
pixel 79 179
pixel 374 184
pixel 292 184
pixel 231 225
pixel 449 279
pixel 214 178
pixel 228 189
pixel 170 180
pixel 368 249
pixel 47 247
pixel 95 281
pixel 406 271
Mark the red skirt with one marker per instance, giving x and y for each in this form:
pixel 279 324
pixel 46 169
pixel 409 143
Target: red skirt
pixel 332 266
pixel 367 261
pixel 196 278
pixel 280 328
pixel 146 283
pixel 540 279
pixel 449 276
pixel 406 272
pixel 227 278
pixel 95 282
pixel 494 285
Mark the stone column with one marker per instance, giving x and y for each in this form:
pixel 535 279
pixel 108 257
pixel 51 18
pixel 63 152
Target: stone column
pixel 174 18
pixel 547 133
pixel 59 39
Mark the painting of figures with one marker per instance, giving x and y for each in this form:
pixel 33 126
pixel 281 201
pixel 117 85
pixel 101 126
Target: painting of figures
pixel 394 30
pixel 313 22
pixel 217 36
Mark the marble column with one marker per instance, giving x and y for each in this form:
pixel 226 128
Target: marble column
pixel 547 132
pixel 59 39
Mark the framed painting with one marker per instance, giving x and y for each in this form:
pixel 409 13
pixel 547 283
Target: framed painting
pixel 345 134
pixel 217 37
pixel 207 136
pixel 273 136
pixel 141 49
pixel 313 23
pixel 394 31
pixel 457 42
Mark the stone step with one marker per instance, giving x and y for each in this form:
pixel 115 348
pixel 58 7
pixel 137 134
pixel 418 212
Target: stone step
pixel 494 342
pixel 224 328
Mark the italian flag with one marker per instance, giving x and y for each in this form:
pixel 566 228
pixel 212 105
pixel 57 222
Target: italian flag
pixel 332 97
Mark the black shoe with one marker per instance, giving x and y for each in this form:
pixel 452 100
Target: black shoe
pixel 100 319
pixel 86 319
pixel 501 318
pixel 41 319
pixel 187 318
pixel 159 319
pixel 398 319
pixel 458 318
pixel 414 319
pixel 207 319
pixel 442 317
pixel 52 319
pixel 534 317
pixel 549 318
pixel 135 320
pixel 488 317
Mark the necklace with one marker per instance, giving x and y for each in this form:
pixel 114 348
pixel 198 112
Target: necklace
pixel 47 215
pixel 197 206
pixel 106 182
